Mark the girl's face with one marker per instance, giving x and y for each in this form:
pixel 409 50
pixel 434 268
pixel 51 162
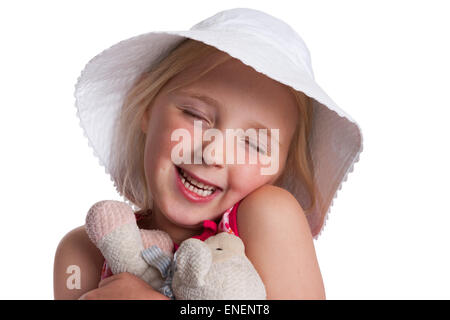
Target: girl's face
pixel 245 99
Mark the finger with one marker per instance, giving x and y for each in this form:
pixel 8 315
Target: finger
pixel 105 281
pixel 90 295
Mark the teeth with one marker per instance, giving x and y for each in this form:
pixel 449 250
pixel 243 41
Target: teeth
pixel 203 193
pixel 189 182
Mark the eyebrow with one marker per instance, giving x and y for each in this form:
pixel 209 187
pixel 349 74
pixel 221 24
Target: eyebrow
pixel 206 99
pixel 213 102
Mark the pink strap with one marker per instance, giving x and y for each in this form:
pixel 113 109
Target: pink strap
pixel 233 219
pixel 229 221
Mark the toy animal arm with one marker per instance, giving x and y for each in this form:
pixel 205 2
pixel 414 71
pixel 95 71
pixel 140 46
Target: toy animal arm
pixel 193 261
pixel 111 226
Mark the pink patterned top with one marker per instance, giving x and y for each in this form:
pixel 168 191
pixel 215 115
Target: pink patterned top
pixel 228 223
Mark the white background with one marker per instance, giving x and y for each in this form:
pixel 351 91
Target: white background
pixel 384 62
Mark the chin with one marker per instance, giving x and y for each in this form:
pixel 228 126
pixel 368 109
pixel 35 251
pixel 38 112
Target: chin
pixel 179 217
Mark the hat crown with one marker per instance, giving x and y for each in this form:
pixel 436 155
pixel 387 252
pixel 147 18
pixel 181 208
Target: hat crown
pixel 274 31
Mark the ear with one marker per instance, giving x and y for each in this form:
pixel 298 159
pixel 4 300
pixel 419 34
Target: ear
pixel 193 260
pixel 106 216
pixel 157 237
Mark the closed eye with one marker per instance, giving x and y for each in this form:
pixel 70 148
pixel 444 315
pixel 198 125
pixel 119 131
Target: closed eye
pixel 194 115
pixel 256 147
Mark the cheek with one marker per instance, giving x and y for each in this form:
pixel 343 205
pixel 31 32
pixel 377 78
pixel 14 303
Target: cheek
pixel 159 146
pixel 162 125
pixel 247 178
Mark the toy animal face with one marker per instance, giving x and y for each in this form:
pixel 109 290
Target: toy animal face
pixel 196 257
pixel 223 246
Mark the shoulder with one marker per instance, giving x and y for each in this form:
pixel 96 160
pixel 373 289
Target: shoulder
pixel 274 229
pixel 76 253
pixel 271 206
pixel 73 235
pixel 271 197
pixel 75 241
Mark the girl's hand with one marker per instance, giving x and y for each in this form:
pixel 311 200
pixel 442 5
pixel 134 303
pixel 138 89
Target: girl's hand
pixel 123 286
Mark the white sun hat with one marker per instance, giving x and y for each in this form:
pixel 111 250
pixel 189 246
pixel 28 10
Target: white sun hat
pixel 268 45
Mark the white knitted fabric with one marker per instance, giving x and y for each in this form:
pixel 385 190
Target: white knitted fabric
pixel 216 269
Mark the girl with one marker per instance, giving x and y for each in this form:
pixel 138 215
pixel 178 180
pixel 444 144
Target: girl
pixel 239 69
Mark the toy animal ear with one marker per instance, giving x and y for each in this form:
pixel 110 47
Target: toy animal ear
pixel 106 216
pixel 193 260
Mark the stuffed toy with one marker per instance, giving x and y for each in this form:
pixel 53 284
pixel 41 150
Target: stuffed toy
pixel 216 268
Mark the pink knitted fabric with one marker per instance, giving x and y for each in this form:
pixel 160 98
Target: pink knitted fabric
pixel 105 216
pixel 157 237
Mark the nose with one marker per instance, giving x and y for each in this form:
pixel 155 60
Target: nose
pixel 212 161
pixel 213 154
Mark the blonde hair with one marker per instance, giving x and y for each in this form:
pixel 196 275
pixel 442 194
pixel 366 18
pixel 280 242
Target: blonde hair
pixel 127 149
pixel 299 164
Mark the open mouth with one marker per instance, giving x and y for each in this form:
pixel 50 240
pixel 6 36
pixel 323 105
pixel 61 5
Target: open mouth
pixel 201 189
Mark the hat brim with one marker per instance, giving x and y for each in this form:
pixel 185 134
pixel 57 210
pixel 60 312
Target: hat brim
pixel 336 139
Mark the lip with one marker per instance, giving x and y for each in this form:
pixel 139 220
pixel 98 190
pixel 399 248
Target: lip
pixel 192 196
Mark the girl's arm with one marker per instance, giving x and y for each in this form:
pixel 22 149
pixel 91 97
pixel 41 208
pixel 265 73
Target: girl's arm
pixel 76 249
pixel 77 255
pixel 279 244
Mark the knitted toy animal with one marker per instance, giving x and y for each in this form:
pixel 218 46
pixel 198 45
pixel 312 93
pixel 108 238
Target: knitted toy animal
pixel 214 269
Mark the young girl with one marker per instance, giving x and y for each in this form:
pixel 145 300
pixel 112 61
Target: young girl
pixel 239 69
